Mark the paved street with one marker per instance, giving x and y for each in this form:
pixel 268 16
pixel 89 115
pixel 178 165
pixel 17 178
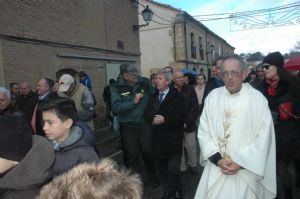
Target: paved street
pixel 107 145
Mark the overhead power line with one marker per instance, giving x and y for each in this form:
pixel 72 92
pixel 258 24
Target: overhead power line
pixel 296 4
pixel 254 13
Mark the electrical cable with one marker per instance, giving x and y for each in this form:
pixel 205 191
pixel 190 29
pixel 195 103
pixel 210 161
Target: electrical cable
pixel 297 4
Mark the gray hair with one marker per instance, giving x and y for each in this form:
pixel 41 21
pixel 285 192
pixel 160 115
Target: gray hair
pixel 235 57
pixel 166 74
pixel 6 92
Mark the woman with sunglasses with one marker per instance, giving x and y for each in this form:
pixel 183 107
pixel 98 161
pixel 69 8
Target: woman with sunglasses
pixel 283 94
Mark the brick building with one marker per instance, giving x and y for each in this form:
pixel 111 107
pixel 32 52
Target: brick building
pixel 38 38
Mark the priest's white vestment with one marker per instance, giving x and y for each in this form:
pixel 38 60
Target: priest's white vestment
pixel 239 126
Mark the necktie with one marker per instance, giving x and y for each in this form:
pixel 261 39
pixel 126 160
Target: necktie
pixel 161 97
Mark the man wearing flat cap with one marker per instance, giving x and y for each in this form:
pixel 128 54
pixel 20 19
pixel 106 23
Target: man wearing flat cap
pixel 82 97
pixel 25 159
pixel 129 97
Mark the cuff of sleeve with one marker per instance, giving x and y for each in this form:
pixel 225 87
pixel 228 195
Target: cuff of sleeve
pixel 215 158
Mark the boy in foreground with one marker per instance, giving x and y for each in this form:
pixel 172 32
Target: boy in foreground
pixel 73 140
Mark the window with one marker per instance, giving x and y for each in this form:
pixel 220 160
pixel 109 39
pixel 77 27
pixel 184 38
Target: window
pixel 201 50
pixel 193 47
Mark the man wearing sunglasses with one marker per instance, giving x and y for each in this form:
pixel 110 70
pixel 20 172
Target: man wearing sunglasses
pixel 237 146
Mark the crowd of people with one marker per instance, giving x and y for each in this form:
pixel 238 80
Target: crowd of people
pixel 247 125
pixel 46 134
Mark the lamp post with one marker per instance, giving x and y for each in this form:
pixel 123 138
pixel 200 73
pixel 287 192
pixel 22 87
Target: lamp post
pixel 147 14
pixel 211 50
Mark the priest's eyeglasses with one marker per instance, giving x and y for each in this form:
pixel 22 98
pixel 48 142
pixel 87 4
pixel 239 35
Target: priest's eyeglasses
pixel 232 73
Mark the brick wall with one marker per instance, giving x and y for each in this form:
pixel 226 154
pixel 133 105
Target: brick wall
pixel 32 33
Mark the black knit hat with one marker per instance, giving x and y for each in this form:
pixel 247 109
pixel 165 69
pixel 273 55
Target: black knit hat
pixel 15 138
pixel 274 58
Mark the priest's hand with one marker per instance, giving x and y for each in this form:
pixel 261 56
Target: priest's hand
pixel 228 167
pixel 224 165
pixel 234 167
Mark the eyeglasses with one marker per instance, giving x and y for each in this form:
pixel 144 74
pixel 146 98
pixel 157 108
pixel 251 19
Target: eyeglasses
pixel 267 66
pixel 232 73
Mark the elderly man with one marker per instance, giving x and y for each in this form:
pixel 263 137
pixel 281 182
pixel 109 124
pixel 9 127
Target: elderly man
pixel 165 114
pixel 27 99
pixel 189 153
pixel 6 108
pixel 236 136
pixel 82 97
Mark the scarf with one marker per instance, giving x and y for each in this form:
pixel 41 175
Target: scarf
pixel 272 86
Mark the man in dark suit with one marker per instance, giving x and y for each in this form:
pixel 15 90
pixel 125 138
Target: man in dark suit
pixel 165 114
pixel 43 89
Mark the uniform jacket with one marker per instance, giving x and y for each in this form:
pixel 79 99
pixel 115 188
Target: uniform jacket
pixel 167 137
pixel 26 179
pixel 122 99
pixel 79 147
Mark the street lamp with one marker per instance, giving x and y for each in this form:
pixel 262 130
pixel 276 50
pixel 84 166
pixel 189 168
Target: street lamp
pixel 211 50
pixel 147 16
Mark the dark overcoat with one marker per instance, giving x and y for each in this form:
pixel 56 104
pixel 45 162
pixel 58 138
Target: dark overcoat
pixel 39 116
pixel 167 137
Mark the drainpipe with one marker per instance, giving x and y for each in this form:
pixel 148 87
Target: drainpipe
pixel 185 41
pixel 174 41
pixel 206 50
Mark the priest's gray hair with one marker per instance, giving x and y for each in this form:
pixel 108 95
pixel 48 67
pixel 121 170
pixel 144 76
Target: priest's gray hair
pixel 167 75
pixel 6 92
pixel 235 57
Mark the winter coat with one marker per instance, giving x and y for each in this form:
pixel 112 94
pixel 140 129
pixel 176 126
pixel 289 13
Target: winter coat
pixel 167 137
pixel 12 111
pixel 79 147
pixel 84 103
pixel 122 99
pixel 211 85
pixel 107 95
pixel 39 117
pixel 287 129
pixel 27 103
pixel 26 179
pixel 87 82
pixel 191 108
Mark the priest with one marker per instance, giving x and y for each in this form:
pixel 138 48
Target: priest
pixel 236 137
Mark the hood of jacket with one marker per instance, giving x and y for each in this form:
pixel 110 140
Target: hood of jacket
pixel 33 170
pixel 80 134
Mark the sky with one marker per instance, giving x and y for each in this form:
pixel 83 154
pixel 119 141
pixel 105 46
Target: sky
pixel 283 38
